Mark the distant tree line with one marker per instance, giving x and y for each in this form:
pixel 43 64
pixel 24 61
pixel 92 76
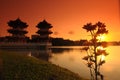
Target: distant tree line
pixel 81 42
pixel 66 42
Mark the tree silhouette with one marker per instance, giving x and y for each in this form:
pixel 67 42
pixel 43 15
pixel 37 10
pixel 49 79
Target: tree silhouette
pixel 96 51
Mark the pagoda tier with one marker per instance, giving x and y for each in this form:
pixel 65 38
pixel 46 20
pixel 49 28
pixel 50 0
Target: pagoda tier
pixel 15 31
pixel 17 24
pixel 43 31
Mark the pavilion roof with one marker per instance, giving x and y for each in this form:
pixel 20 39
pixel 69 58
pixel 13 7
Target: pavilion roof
pixel 44 24
pixel 17 23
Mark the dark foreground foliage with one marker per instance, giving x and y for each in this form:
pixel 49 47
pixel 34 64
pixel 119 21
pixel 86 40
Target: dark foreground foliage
pixel 19 67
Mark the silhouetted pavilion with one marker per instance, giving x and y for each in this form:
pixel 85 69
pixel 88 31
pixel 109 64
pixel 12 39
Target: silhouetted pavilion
pixel 44 31
pixel 17 31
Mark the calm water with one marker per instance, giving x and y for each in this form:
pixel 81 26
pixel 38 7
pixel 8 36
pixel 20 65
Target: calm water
pixel 71 58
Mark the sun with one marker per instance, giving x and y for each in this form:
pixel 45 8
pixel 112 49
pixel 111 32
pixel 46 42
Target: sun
pixel 102 37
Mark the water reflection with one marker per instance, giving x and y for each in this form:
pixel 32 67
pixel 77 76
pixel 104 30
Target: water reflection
pixel 44 55
pixel 60 50
pixel 71 58
pixel 39 54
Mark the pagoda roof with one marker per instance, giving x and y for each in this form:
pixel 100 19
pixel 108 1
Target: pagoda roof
pixel 17 23
pixel 44 24
pixel 44 32
pixel 14 31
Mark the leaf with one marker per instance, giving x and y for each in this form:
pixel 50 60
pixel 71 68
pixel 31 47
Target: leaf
pixel 105 54
pixel 101 28
pixel 85 48
pixel 89 27
pixel 100 52
pixel 86 58
pixel 92 60
pixel 101 62
pixel 102 31
pixel 89 64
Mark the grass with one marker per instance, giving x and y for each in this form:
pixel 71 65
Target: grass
pixel 18 67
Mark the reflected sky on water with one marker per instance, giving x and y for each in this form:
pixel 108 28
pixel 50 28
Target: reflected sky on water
pixel 71 58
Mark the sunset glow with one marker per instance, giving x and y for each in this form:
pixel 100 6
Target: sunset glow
pixel 75 37
pixel 66 16
pixel 102 37
pixel 100 48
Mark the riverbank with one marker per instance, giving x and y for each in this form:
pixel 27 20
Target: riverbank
pixel 18 67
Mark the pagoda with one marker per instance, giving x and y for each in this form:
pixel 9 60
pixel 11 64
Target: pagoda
pixel 17 31
pixel 44 31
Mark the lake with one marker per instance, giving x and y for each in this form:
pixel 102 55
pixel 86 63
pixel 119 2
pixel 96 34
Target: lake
pixel 70 57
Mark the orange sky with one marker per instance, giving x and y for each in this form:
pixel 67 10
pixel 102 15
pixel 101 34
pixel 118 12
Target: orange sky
pixel 66 16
